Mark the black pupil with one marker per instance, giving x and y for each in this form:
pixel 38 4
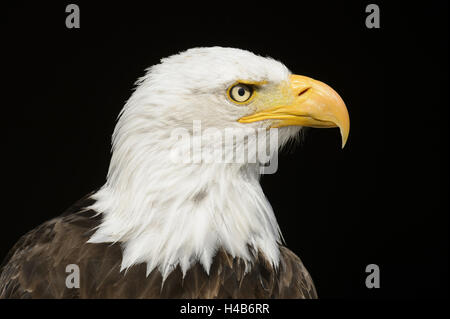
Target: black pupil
pixel 241 91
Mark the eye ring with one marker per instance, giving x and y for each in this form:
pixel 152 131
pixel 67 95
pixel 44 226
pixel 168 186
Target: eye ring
pixel 240 93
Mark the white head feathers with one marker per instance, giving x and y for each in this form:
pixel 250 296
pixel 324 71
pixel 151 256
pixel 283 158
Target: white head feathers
pixel 166 213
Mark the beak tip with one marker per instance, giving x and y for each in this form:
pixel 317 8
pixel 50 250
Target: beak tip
pixel 344 128
pixel 344 135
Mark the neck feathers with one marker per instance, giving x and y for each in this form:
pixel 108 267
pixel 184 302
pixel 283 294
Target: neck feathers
pixel 167 214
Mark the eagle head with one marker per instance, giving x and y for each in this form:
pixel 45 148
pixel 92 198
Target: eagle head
pixel 170 211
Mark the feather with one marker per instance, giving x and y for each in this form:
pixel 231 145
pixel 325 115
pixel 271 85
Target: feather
pixel 36 268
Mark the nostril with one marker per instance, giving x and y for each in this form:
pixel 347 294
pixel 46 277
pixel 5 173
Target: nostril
pixel 303 91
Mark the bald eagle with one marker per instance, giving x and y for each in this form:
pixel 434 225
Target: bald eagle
pixel 165 226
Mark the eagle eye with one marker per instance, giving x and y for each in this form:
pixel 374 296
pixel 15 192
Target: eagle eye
pixel 240 92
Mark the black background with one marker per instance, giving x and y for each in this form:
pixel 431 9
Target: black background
pixel 383 199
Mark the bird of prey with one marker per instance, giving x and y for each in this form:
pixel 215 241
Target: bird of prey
pixel 170 222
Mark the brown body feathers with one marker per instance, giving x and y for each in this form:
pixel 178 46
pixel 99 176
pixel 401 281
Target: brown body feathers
pixel 36 268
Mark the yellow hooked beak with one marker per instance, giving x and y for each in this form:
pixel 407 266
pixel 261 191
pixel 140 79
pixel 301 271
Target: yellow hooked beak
pixel 315 104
